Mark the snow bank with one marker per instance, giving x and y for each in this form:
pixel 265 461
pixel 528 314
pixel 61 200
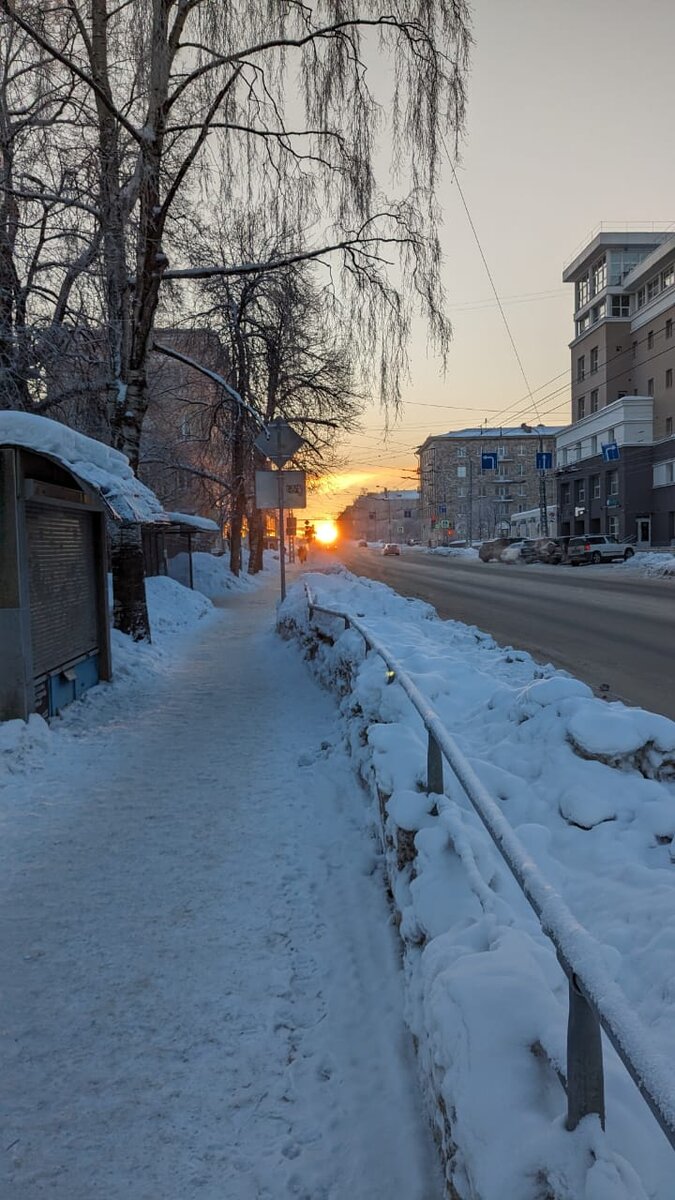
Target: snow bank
pixel 451 551
pixel 213 577
pixel 105 469
pixel 589 789
pixel 650 564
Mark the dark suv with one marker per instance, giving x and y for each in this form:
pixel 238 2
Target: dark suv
pixel 491 551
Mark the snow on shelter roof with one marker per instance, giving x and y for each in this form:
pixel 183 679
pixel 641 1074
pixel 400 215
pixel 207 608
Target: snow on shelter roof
pixel 196 522
pixel 106 470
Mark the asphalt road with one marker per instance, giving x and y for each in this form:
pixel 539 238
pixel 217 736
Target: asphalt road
pixel 616 633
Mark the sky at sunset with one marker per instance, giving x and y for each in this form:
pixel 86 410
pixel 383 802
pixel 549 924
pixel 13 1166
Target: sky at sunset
pixel 569 124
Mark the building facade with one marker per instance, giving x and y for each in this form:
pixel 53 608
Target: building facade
pixel 463 498
pixel 387 516
pixel 623 394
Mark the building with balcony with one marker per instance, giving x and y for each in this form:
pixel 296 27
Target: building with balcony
pixel 623 365
pixel 462 498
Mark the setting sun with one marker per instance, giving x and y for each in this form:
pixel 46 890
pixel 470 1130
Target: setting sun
pixel 326 532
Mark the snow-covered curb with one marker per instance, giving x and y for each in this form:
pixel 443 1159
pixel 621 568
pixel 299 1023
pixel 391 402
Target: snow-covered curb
pixel 650 564
pixel 588 786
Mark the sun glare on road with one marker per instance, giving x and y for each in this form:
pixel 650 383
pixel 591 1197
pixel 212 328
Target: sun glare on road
pixel 326 532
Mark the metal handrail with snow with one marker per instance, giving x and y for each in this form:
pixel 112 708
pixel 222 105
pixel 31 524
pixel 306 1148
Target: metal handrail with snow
pixel 595 999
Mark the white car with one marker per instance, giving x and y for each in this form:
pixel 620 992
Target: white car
pixel 596 548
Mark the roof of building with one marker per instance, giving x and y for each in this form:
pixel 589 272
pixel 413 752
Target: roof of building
pixel 498 431
pixel 205 524
pixel 96 465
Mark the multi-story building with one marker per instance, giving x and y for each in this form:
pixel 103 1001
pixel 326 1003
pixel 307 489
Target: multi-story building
pixel 386 516
pixel 623 397
pixel 462 497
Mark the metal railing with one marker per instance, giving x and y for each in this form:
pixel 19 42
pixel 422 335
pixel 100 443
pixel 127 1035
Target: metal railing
pixel 595 1000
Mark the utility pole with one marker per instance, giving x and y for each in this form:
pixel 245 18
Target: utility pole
pixel 543 505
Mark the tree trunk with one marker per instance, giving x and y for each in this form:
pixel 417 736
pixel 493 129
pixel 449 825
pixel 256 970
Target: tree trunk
pixel 256 533
pixel 130 610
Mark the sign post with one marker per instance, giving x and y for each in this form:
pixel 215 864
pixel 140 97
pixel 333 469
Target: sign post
pixel 279 442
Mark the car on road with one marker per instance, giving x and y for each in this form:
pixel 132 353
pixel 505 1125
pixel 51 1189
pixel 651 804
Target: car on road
pixel 491 551
pixel 391 548
pixel 362 542
pixel 597 548
pixel 550 550
pixel 524 550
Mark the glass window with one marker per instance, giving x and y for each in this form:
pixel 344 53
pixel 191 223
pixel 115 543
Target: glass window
pixel 669 426
pixel 583 292
pixel 581 407
pixel 635 346
pixel 653 287
pixel 594 444
pixel 522 451
pixel 594 360
pixel 583 324
pixel 611 435
pixel 650 387
pixel 461 491
pixel 641 297
pixel 461 472
pixel 581 367
pixel 668 277
pixel 669 328
pixel 620 306
pixel 599 275
pixel 594 400
pixel 580 488
pixel 613 527
pixel 565 493
pixel 612 483
pixel 669 377
pixel 595 487
pixel 650 340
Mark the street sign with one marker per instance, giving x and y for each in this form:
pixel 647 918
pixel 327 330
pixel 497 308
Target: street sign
pixel 544 460
pixel 444 524
pixel 279 442
pixel 610 451
pixel 488 460
pixel 442 510
pixel 293 489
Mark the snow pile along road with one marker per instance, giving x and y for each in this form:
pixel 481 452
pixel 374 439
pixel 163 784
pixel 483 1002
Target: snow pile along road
pixel 589 788
pixel 650 564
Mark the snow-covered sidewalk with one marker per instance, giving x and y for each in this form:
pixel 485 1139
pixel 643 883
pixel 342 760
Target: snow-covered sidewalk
pixel 200 984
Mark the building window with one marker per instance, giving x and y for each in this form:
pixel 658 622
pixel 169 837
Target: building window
pixel 650 340
pixel 611 435
pixel 594 400
pixel 669 426
pixel 635 345
pixel 669 377
pixel 612 483
pixel 522 451
pixel 583 292
pixel 653 288
pixel 595 487
pixel 669 328
pixel 580 488
pixel 594 360
pixel 620 306
pixel 461 472
pixel 501 452
pixel 613 527
pixel 565 493
pixel 599 275
pixel 620 395
pixel 641 297
pixel 461 452
pixel 594 444
pixel 581 407
pixel 565 455
pixel 668 276
pixel 407 513
pixel 581 368
pixel 650 387
pixel 521 468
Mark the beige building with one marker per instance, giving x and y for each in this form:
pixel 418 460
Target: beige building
pixel 387 516
pixel 473 480
pixel 623 395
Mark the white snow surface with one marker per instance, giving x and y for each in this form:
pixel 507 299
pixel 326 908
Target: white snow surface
pixel 589 789
pixel 195 521
pixel 105 469
pixel 649 563
pixel 201 988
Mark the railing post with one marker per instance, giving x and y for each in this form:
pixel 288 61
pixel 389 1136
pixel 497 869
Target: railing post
pixel 347 623
pixel 434 767
pixel 585 1077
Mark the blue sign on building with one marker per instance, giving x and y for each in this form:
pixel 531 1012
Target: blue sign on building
pixel 488 461
pixel 442 510
pixel 544 460
pixel 610 451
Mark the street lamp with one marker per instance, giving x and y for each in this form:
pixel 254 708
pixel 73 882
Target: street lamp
pixel 543 506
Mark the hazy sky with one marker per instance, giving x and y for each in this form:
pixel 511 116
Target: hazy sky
pixel 570 122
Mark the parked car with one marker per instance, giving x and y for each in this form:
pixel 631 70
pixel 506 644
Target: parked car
pixel 362 542
pixel 597 548
pixel 391 548
pixel 491 551
pixel 550 550
pixel 523 550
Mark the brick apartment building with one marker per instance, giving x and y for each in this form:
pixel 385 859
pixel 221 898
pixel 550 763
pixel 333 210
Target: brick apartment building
pixel 623 395
pixel 462 499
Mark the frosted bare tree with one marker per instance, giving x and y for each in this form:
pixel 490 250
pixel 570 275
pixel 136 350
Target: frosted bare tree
pixel 286 93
